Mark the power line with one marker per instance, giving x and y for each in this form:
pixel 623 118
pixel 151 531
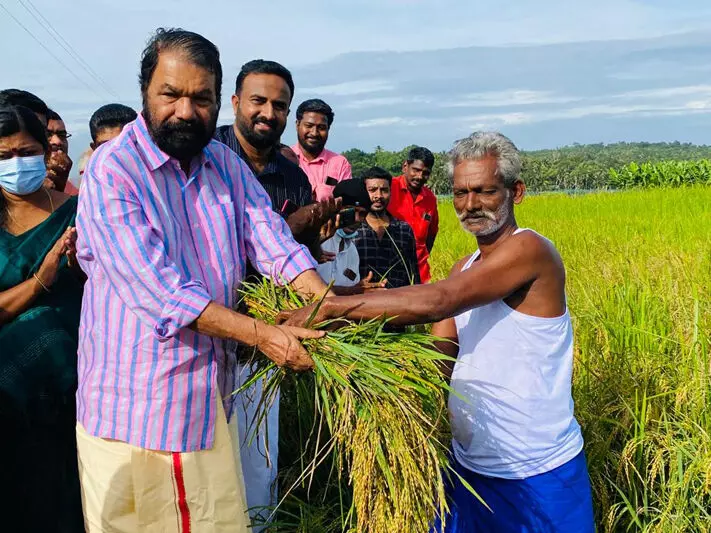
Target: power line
pixel 49 51
pixel 61 41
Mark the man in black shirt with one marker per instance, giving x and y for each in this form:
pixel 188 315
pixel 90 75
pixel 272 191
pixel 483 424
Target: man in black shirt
pixel 263 94
pixel 386 245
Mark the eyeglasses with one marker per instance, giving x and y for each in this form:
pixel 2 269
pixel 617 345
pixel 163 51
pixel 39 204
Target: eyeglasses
pixel 61 134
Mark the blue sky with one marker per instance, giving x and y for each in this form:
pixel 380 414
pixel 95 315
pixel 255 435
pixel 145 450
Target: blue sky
pixel 417 78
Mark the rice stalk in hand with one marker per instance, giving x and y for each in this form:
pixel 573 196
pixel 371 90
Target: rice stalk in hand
pixel 383 401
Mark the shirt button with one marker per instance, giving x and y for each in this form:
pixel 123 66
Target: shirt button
pixel 207 164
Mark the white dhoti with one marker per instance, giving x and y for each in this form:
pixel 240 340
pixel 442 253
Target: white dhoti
pixel 259 451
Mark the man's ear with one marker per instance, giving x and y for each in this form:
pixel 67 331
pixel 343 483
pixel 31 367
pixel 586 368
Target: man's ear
pixel 519 191
pixel 235 103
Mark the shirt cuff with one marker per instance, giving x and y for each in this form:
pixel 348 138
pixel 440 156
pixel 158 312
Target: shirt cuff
pixel 182 309
pixel 297 261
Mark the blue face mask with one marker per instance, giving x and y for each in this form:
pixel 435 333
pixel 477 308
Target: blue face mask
pixel 22 175
pixel 343 235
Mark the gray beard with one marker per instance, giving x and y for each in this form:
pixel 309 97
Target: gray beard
pixel 499 217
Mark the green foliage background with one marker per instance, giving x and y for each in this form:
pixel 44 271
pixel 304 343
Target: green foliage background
pixel 575 167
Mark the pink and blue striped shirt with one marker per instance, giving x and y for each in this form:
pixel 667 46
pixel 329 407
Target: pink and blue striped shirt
pixel 157 247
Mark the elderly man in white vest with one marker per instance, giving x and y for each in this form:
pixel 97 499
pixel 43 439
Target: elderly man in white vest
pixel 515 437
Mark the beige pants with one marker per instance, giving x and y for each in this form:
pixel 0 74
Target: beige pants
pixel 126 489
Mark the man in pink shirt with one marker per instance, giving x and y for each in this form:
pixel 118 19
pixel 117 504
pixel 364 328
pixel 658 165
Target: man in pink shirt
pixel 323 167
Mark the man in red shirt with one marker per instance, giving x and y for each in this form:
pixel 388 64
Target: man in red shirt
pixel 414 203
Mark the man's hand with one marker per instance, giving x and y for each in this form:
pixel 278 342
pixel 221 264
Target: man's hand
pixel 328 230
pixel 70 243
pixel 310 218
pixel 281 344
pixel 299 317
pixel 367 283
pixel 58 166
pixel 325 257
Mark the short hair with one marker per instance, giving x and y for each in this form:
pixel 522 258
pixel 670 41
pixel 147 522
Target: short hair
pixel 315 105
pixel 18 97
pixel 376 173
pixel 196 48
pixel 16 119
pixel 110 116
pixel 53 115
pixel 420 153
pixel 481 144
pixel 263 66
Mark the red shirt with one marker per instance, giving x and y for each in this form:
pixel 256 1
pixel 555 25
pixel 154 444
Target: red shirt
pixel 421 214
pixel 71 189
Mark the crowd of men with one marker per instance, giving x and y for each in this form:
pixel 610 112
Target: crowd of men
pixel 174 212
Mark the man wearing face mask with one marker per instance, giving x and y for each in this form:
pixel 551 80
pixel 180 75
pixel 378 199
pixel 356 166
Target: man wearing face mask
pixel 344 269
pixel 40 301
pixel 167 220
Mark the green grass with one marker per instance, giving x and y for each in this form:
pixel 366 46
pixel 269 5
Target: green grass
pixel 639 288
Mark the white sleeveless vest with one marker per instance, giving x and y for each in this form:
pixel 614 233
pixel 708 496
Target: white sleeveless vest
pixel 514 374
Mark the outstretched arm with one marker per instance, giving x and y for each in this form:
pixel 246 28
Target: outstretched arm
pixel 516 262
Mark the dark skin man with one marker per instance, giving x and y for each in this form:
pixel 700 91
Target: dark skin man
pixel 58 162
pixel 417 174
pixel 312 132
pixel 524 269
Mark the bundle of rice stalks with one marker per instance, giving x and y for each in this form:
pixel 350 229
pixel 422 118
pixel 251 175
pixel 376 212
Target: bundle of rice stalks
pixel 382 400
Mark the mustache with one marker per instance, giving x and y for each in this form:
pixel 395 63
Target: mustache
pixel 185 127
pixel 465 215
pixel 261 120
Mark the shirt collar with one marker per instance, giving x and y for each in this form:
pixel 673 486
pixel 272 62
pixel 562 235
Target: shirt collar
pixel 151 154
pixel 403 186
pixel 320 158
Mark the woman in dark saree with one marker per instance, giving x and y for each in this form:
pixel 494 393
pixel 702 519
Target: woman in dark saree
pixel 40 301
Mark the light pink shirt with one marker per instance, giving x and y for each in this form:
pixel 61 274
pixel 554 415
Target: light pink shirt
pixel 327 164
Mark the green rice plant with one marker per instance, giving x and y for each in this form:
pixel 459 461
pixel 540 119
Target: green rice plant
pixel 379 403
pixel 639 289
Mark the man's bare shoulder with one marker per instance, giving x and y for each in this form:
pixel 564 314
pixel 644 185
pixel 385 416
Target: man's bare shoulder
pixel 530 246
pixel 457 267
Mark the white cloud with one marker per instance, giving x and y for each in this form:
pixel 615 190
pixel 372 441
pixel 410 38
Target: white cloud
pixel 666 92
pixel 391 121
pixel 386 101
pixel 349 88
pixel 509 97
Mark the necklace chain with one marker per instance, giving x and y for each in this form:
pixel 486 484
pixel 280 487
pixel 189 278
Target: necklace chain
pixel 24 227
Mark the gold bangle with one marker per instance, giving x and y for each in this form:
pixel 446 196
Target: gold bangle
pixel 40 282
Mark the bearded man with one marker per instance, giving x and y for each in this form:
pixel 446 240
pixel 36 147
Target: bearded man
pixel 515 438
pixel 168 219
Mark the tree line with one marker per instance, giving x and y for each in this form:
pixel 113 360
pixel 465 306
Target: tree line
pixel 574 167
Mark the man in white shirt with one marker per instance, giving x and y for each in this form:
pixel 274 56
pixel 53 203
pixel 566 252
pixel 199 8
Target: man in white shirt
pixel 344 267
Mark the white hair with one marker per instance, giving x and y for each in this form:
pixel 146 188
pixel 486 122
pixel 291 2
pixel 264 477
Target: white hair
pixel 481 144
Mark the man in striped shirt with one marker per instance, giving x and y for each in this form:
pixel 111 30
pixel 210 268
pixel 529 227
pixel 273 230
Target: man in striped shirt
pixel 168 219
